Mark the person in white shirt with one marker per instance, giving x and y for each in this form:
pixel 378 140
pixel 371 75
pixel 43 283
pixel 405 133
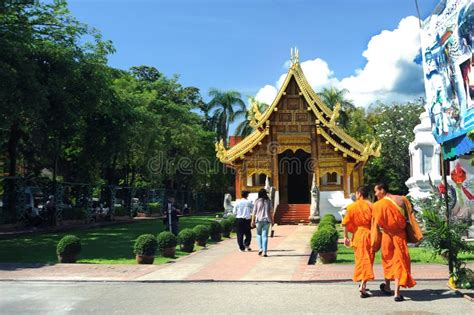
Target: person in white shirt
pixel 243 214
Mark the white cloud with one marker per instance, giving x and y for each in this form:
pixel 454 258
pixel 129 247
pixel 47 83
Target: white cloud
pixel 266 94
pixel 390 74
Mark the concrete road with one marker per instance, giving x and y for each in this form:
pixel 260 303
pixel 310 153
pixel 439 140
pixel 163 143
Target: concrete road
pixel 221 298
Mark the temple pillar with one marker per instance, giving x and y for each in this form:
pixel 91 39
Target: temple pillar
pixel 318 155
pixel 238 180
pixel 273 150
pixel 344 180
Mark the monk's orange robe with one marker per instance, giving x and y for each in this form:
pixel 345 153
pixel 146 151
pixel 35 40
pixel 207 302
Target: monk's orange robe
pixel 396 261
pixel 358 221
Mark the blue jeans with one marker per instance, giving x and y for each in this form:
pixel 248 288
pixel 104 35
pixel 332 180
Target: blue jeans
pixel 262 235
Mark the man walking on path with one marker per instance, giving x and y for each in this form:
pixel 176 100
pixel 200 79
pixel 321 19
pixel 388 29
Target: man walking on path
pixel 358 222
pixel 242 212
pixel 390 213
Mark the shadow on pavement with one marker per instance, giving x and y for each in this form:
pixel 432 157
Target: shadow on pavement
pixel 16 266
pixel 430 295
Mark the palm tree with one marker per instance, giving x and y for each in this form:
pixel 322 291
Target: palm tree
pixel 223 111
pixel 331 96
pixel 244 128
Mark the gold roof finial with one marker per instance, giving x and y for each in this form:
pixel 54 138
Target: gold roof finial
pixel 335 114
pixel 295 56
pixel 220 150
pixel 255 114
pixel 378 150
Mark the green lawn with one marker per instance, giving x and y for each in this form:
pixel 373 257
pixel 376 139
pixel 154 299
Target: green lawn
pixel 105 245
pixel 417 255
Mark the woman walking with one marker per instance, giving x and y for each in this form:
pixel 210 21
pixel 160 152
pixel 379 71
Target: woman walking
pixel 262 217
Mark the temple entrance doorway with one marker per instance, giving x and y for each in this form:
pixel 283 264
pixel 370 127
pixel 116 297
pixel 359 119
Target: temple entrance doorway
pixel 294 177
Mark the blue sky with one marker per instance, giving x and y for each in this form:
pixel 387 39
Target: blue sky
pixel 244 44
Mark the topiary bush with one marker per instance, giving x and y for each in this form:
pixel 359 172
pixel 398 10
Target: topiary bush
pixel 68 249
pixel 232 219
pixel 324 240
pixel 215 231
pixel 154 207
pixel 202 234
pixel 326 224
pixel 145 245
pixel 186 239
pixel 226 227
pixel 329 218
pixel 166 239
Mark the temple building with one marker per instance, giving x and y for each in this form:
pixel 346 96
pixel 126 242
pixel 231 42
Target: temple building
pixel 298 145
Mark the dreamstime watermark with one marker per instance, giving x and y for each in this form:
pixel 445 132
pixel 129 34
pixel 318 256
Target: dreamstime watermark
pixel 288 162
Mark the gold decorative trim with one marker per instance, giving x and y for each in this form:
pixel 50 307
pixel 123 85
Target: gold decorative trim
pixel 239 150
pixel 294 147
pixel 342 148
pixel 265 171
pixel 325 170
pixel 293 139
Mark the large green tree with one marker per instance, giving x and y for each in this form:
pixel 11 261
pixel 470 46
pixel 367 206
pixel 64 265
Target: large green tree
pixel 225 107
pixel 49 80
pixel 392 125
pixel 243 128
pixel 332 96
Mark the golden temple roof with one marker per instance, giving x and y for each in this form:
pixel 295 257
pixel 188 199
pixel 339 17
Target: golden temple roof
pixel 325 123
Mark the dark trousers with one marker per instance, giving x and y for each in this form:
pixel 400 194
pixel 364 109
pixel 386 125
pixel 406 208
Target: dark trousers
pixel 174 227
pixel 243 229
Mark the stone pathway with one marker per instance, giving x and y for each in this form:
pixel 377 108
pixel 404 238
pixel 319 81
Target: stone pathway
pixel 288 257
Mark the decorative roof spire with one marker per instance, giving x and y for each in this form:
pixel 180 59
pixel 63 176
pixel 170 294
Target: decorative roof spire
pixel 295 56
pixel 335 114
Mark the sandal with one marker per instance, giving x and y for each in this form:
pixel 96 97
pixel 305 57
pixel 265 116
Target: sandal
pixel 385 292
pixel 399 298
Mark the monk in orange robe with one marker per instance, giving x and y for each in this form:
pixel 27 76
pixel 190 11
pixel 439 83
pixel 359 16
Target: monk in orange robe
pixel 389 216
pixel 358 222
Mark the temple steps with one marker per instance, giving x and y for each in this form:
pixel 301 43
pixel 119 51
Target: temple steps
pixel 292 213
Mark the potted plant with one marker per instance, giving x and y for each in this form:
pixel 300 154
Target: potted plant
pixel 324 242
pixel 68 249
pixel 167 242
pixel 145 248
pixel 226 227
pixel 202 234
pixel 186 239
pixel 215 231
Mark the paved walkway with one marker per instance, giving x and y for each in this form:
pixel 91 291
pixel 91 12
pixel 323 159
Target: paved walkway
pixel 288 256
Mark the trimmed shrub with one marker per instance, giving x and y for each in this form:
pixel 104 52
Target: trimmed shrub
pixel 226 227
pixel 329 218
pixel 166 239
pixel 232 219
pixel 215 231
pixel 326 224
pixel 145 245
pixel 154 207
pixel 69 245
pixel 186 237
pixel 324 240
pixel 202 233
pixel 120 211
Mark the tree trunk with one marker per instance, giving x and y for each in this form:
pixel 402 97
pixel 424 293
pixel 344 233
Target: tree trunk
pixel 15 135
